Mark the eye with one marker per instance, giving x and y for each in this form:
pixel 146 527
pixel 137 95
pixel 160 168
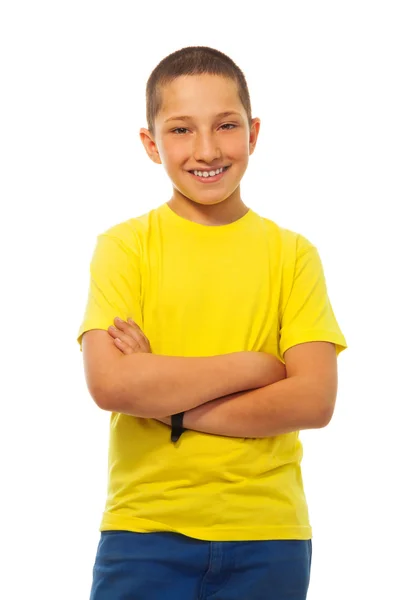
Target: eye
pixel 179 129
pixel 228 125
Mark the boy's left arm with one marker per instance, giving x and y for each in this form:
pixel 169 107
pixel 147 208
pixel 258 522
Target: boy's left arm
pixel 304 400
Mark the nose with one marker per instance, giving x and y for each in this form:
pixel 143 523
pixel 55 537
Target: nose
pixel 206 148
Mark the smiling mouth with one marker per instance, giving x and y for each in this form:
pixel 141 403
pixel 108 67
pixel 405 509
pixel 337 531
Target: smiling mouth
pixel 205 177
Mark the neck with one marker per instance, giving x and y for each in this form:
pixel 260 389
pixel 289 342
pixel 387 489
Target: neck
pixel 223 213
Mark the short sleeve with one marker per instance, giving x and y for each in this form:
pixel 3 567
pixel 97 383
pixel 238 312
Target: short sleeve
pixel 307 314
pixel 114 287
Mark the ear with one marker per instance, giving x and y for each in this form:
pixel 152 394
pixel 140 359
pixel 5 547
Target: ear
pixel 150 145
pixel 254 133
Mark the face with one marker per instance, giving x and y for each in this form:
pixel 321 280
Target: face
pixel 193 133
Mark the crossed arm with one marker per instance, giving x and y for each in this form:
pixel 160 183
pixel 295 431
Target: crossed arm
pixel 303 400
pixel 299 395
pixel 279 408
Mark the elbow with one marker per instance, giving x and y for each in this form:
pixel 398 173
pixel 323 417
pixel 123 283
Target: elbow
pixel 109 398
pixel 325 415
pixel 97 394
pixel 322 421
pixel 103 399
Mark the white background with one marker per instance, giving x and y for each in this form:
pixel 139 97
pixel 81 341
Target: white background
pixel 334 86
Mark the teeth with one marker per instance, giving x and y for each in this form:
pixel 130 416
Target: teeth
pixel 208 173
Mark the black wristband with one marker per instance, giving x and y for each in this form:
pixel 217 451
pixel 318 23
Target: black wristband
pixel 177 426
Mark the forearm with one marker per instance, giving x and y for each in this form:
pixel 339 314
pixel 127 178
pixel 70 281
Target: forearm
pixel 282 407
pixel 150 385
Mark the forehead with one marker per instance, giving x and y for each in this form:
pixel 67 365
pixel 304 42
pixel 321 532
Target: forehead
pixel 199 95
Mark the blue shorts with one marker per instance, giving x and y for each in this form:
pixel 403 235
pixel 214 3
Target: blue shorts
pixel 171 566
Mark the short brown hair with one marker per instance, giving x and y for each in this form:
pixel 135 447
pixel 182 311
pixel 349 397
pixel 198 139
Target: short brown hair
pixel 192 60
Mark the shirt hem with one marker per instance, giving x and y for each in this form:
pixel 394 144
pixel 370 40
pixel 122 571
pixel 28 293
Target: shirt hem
pixel 212 534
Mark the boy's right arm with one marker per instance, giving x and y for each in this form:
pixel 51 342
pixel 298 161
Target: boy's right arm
pixel 151 385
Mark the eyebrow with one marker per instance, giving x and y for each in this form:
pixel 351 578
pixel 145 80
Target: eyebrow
pixel 186 118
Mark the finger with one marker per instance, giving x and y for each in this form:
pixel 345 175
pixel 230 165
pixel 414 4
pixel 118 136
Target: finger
pixel 144 341
pixel 128 330
pixel 131 329
pixel 134 325
pixel 125 348
pixel 130 336
pixel 125 338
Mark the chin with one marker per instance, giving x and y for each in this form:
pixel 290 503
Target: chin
pixel 205 199
pixel 208 201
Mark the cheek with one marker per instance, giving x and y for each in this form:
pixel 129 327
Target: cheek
pixel 175 152
pixel 237 146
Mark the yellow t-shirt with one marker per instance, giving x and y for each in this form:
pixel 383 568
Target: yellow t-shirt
pixel 198 290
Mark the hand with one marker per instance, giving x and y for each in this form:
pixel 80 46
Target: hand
pixel 128 337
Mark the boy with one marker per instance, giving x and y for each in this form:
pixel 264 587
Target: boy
pixel 225 324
